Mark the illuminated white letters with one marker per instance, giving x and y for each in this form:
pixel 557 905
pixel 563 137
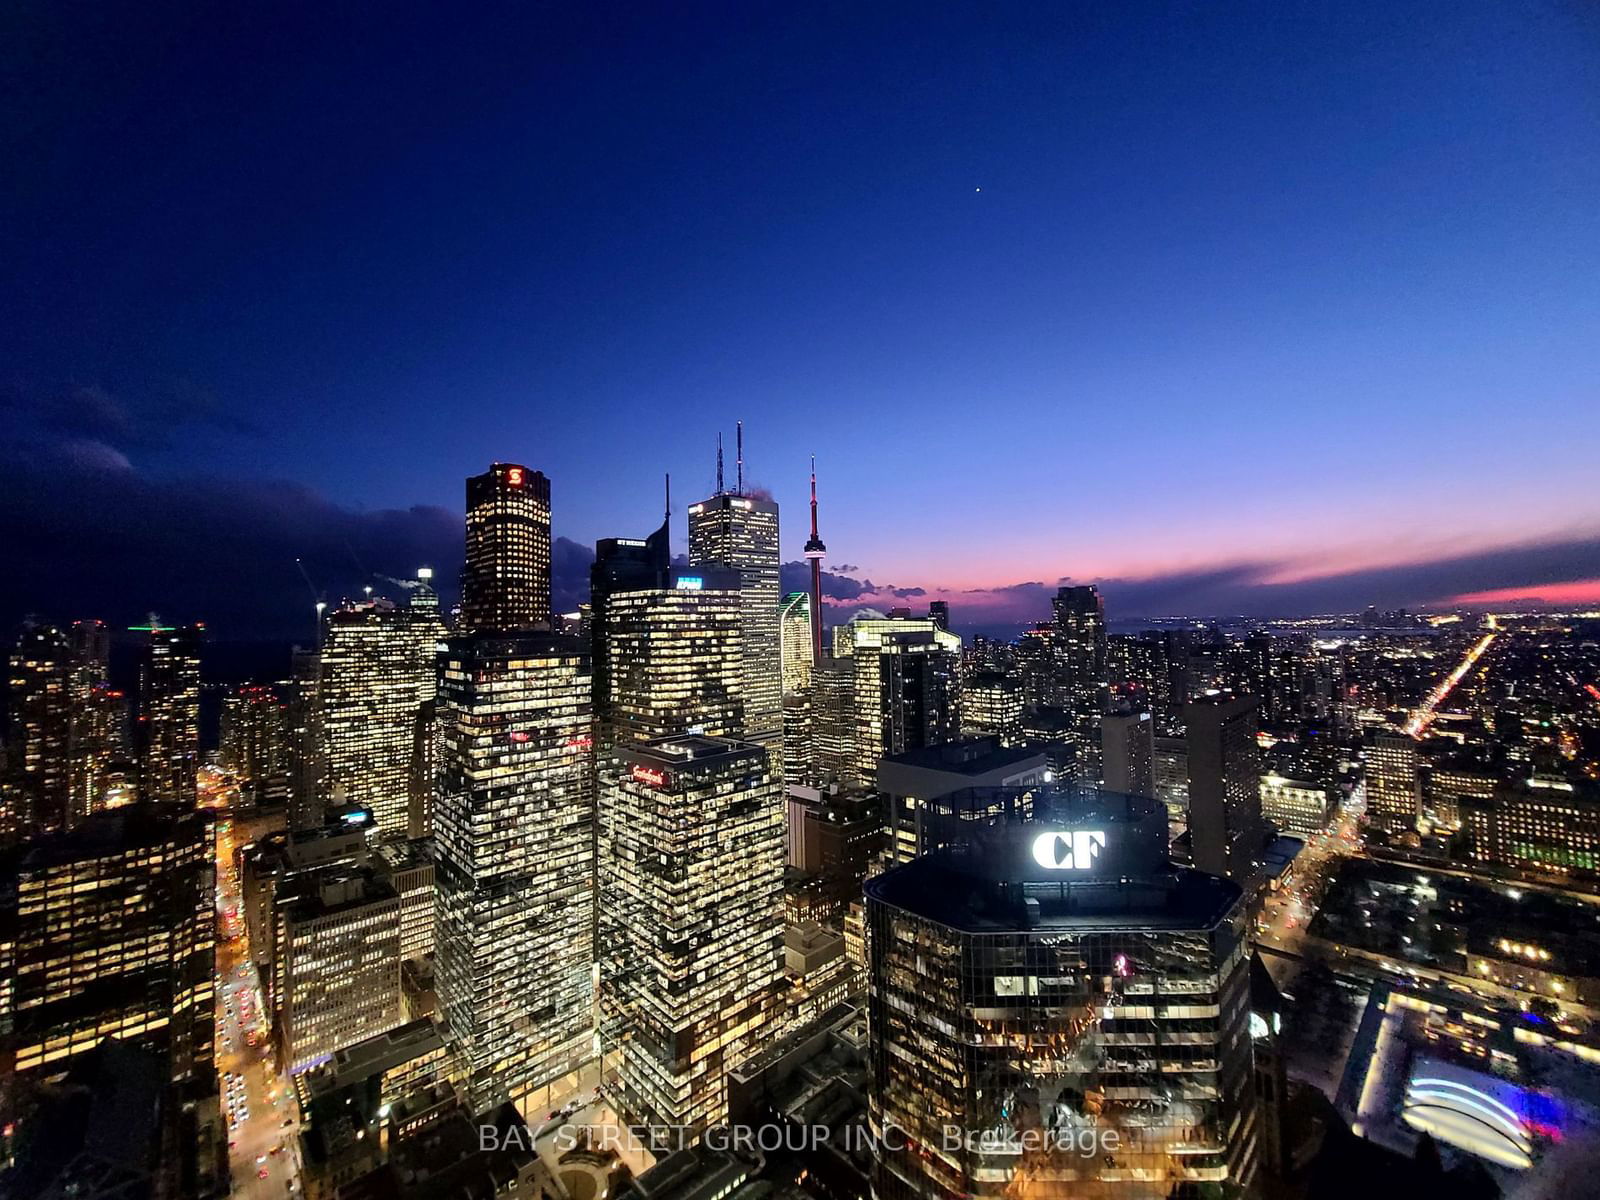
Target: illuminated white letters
pixel 1075 850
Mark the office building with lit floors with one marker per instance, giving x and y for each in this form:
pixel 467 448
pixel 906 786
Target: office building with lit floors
pixel 1393 798
pixel 338 964
pixel 505 581
pixel 37 770
pixel 168 726
pixel 740 533
pixel 379 674
pixel 799 657
pixel 1055 1010
pixel 991 703
pixel 108 931
pixel 514 862
pixel 691 862
pixel 1082 676
pixel 671 658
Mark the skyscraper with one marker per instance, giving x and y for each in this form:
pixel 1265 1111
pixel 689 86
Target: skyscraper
pixel 39 740
pixel 99 738
pixel 691 869
pixel 620 565
pixel 338 963
pixel 906 687
pixel 794 621
pixel 99 720
pixel 672 657
pixel 1128 744
pixel 741 532
pixel 514 826
pixel 991 703
pixel 1079 647
pixel 379 671
pixel 112 926
pixel 255 744
pixel 91 652
pixel 505 583
pixel 1393 800
pixel 305 739
pixel 1225 826
pixel 169 712
pixel 1055 1010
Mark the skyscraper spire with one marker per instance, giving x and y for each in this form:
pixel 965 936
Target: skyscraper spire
pixel 719 464
pixel 815 551
pixel 738 488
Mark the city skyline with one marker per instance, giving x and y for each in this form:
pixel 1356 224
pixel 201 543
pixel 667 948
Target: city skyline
pixel 1349 366
pixel 737 602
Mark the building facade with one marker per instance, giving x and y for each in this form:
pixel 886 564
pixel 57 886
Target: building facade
pixel 111 930
pixel 169 713
pixel 379 672
pixel 692 852
pixel 1079 649
pixel 741 533
pixel 39 734
pixel 1225 827
pixel 1128 750
pixel 338 964
pixel 1054 1010
pixel 991 703
pixel 794 634
pixel 1297 806
pixel 255 745
pixel 505 583
pixel 514 869
pixel 673 655
pixel 1393 801
pixel 905 691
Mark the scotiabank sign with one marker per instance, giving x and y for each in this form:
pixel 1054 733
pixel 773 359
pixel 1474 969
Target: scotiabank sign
pixel 1069 850
pixel 654 778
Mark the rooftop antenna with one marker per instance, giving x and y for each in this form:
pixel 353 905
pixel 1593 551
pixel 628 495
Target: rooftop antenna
pixel 739 459
pixel 719 464
pixel 669 496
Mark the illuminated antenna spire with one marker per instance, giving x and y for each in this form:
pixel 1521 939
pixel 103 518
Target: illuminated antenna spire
pixel 739 458
pixel 814 498
pixel 719 464
pixel 669 496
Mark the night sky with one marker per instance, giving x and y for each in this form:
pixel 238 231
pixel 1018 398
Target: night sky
pixel 1236 308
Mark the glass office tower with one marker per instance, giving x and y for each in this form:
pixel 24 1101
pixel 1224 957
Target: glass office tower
pixel 514 823
pixel 691 866
pixel 1057 1011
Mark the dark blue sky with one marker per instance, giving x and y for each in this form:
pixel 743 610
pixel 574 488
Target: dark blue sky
pixel 1272 290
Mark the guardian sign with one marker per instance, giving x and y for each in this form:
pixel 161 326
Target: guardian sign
pixel 1073 850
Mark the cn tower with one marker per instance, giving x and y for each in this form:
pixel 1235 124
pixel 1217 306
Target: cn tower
pixel 815 551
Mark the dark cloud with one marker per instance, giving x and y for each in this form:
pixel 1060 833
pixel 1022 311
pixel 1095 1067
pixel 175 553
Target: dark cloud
pixel 796 577
pixel 92 414
pixel 1247 589
pixel 87 535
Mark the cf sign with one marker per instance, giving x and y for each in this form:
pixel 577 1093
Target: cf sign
pixel 1075 851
